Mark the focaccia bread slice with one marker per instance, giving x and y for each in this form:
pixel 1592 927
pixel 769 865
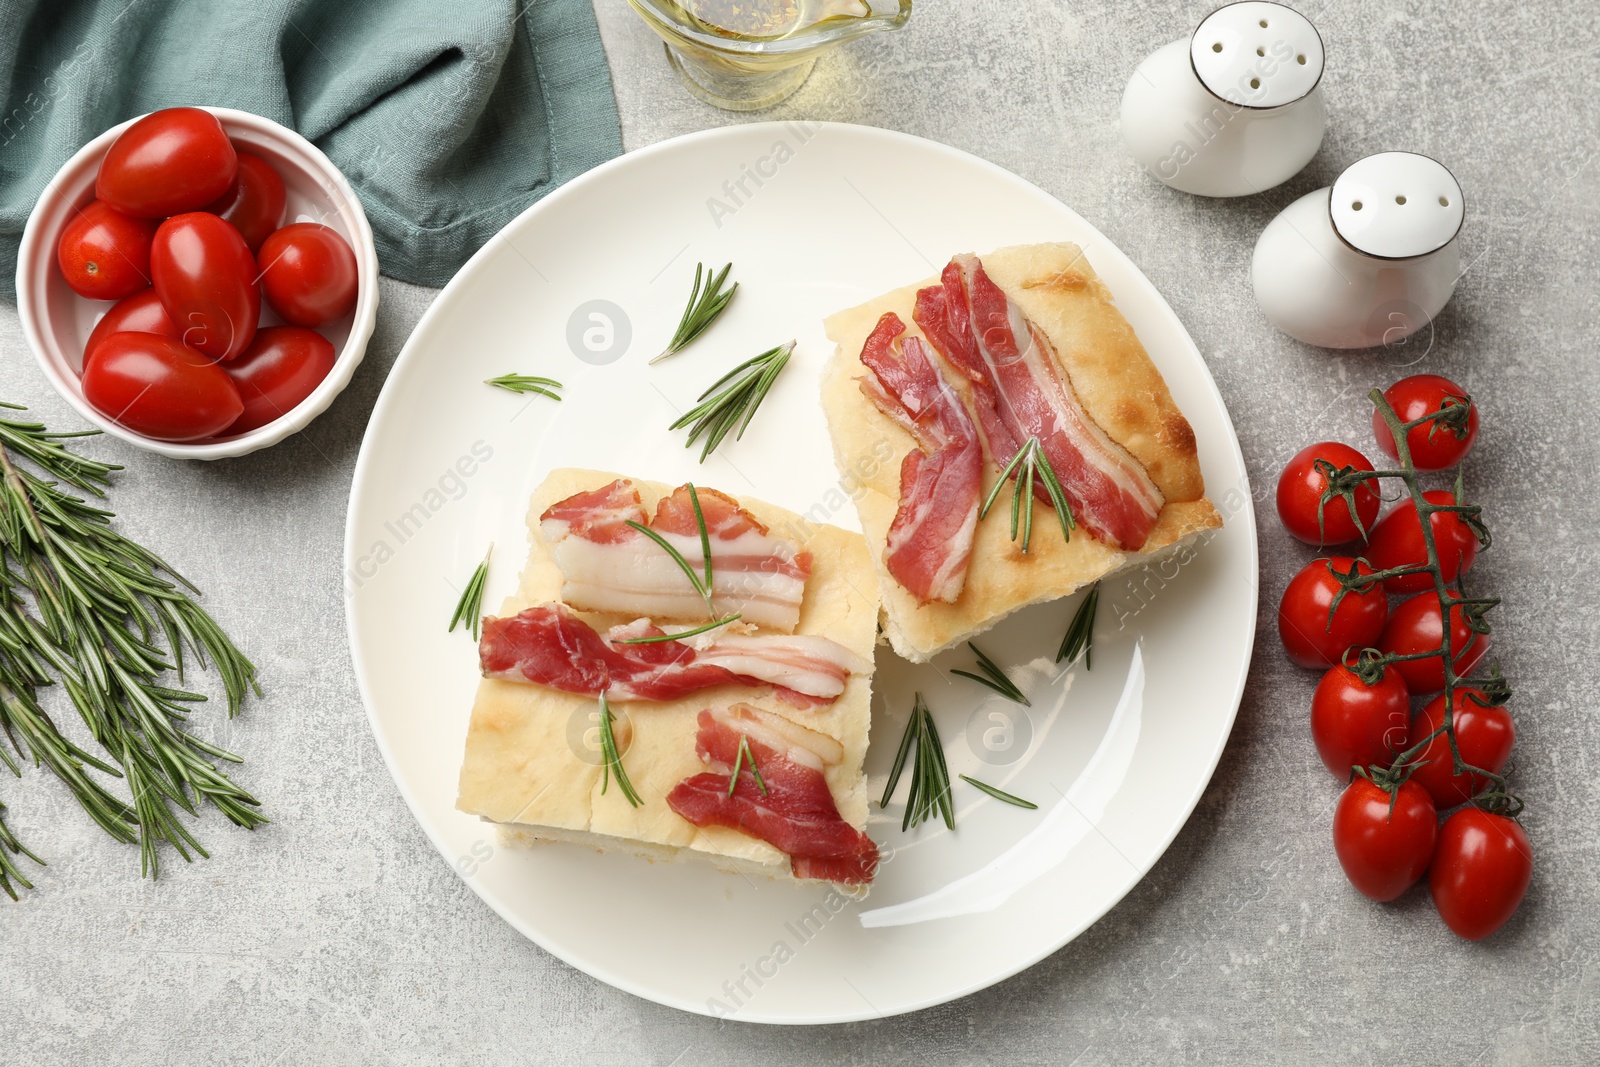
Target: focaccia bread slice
pixel 532 762
pixel 1120 391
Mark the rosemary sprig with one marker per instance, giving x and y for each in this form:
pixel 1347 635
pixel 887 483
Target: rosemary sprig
pixel 10 848
pixel 83 606
pixel 733 399
pixel 702 582
pixel 930 775
pixel 746 757
pixel 708 627
pixel 613 759
pixel 1079 638
pixel 994 678
pixel 527 383
pixel 469 609
pixel 999 794
pixel 1034 464
pixel 702 310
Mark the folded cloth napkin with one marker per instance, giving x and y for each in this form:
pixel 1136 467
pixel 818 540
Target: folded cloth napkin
pixel 448 116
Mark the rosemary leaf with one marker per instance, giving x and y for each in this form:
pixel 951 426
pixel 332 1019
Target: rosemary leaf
pixel 1079 638
pixel 994 678
pixel 1033 464
pixel 725 620
pixel 930 775
pixel 746 758
pixel 10 848
pixel 527 383
pixel 1000 794
pixel 702 590
pixel 702 310
pixel 613 759
pixel 469 609
pixel 82 606
pixel 733 399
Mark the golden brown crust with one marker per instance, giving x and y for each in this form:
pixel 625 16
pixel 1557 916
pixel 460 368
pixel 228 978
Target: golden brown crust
pixel 523 762
pixel 1120 389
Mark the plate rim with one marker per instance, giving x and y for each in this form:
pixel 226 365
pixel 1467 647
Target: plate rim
pixel 389 391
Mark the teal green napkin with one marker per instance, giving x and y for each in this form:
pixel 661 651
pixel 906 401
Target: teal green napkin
pixel 448 116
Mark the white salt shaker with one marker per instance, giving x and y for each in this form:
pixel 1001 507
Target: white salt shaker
pixel 1234 109
pixel 1367 261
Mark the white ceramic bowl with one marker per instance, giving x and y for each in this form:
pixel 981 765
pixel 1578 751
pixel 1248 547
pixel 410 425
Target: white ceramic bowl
pixel 57 321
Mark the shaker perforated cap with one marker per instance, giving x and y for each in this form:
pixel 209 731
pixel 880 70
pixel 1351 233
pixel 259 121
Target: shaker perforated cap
pixel 1396 205
pixel 1257 54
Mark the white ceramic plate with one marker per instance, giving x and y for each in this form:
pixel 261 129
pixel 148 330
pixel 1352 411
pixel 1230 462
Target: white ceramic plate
pixel 815 218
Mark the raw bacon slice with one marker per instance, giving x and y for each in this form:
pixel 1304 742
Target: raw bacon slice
pixel 1021 391
pixel 609 566
pixel 550 645
pixel 796 814
pixel 930 540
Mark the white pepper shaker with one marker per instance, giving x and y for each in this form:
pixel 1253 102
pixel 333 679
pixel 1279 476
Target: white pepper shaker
pixel 1367 261
pixel 1233 110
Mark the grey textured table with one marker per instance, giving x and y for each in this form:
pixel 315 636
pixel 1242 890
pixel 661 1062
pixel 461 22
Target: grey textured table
pixel 338 936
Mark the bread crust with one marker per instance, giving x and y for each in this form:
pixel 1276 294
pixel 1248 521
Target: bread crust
pixel 522 763
pixel 1120 389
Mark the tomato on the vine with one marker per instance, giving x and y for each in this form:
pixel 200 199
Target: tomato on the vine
pixel 1384 848
pixel 1481 871
pixel 280 368
pixel 155 386
pixel 308 273
pixel 206 279
pixel 1397 541
pixel 1438 444
pixel 254 203
pixel 1310 636
pixel 1416 625
pixel 1483 734
pixel 104 254
pixel 169 162
pixel 1354 724
pixel 1300 489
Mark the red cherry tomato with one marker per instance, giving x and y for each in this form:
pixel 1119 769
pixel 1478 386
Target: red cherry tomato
pixel 1481 872
pixel 1484 736
pixel 1434 446
pixel 1355 724
pixel 1397 541
pixel 1383 851
pixel 1310 636
pixel 255 201
pixel 279 369
pixel 104 254
pixel 155 386
pixel 1416 626
pixel 1300 489
pixel 168 162
pixel 140 313
pixel 308 273
pixel 206 279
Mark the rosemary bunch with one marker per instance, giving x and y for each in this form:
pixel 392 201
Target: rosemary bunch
pixel 84 607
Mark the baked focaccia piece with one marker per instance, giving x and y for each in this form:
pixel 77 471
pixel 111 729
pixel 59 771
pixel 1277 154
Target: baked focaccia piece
pixel 794 693
pixel 1021 349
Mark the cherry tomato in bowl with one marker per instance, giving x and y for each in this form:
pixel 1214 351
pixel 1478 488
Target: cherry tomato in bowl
pixel 1416 625
pixel 1484 735
pixel 308 273
pixel 1384 847
pixel 206 279
pixel 1312 637
pixel 104 254
pixel 140 313
pixel 1300 489
pixel 171 161
pixel 1397 541
pixel 157 387
pixel 1354 724
pixel 1436 445
pixel 255 202
pixel 280 368
pixel 1481 870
